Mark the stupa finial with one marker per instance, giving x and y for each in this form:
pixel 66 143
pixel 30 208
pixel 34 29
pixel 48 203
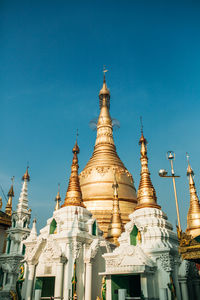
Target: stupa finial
pixel 8 209
pixel 58 198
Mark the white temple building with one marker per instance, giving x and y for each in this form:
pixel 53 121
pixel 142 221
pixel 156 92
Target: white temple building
pixel 65 258
pixel 15 249
pixel 147 263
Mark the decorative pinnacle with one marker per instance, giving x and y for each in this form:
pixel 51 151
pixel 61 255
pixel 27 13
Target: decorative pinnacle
pixel 58 198
pixel 8 209
pixel 146 193
pixel 189 169
pixel 11 191
pixel 73 196
pixel 26 175
pixel 104 94
pixel 76 147
pixel 104 73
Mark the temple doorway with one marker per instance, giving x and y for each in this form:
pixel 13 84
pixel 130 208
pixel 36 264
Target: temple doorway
pixel 129 282
pixel 46 285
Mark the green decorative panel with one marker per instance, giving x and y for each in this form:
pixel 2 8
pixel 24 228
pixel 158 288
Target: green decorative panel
pixel 53 226
pixel 94 228
pixel 133 236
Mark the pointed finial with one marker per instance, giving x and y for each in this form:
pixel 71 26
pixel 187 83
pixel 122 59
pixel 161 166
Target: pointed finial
pixel 8 209
pixel 142 139
pixel 58 198
pixel 189 169
pixel 11 191
pixel 104 94
pixel 76 147
pixel 141 124
pixel 104 73
pixel 26 175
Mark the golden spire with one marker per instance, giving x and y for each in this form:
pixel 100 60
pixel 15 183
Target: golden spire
pixel 73 196
pixel 26 175
pixel 193 217
pixel 116 227
pixel 97 177
pixel 146 194
pixel 58 199
pixel 8 209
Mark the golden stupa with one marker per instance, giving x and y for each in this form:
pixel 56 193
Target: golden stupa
pixel 96 179
pixel 193 217
pixel 146 194
pixel 189 241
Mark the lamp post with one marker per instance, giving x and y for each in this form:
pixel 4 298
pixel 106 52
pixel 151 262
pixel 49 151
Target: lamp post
pixel 163 173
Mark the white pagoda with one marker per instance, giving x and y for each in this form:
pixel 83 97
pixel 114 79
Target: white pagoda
pixel 10 261
pixel 65 258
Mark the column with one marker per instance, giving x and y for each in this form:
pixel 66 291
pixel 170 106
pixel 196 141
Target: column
pixel 143 280
pixel 31 269
pixel 184 288
pixel 108 288
pixel 4 279
pixel 88 281
pixel 59 280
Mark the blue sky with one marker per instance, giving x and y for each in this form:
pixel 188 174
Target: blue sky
pixel 51 59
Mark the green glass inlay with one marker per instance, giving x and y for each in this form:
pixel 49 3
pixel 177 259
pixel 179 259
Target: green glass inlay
pixel 133 236
pixel 53 226
pixel 94 228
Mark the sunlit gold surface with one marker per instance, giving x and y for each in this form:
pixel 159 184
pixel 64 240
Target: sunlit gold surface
pixel 193 217
pixel 189 248
pixel 97 177
pixel 146 193
pixel 73 196
pixel 8 209
pixel 115 228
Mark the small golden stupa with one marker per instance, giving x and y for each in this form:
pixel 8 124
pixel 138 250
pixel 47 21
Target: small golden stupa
pixel 189 241
pixel 97 177
pixel 146 194
pixel 193 217
pixel 73 196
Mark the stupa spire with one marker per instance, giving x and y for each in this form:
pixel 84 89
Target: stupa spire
pixel 73 196
pixel 116 227
pixel 8 209
pixel 33 233
pixel 193 216
pixel 58 198
pixel 146 194
pixel 23 199
pixel 97 177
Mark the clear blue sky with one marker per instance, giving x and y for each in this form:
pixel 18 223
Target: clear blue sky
pixel 51 59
